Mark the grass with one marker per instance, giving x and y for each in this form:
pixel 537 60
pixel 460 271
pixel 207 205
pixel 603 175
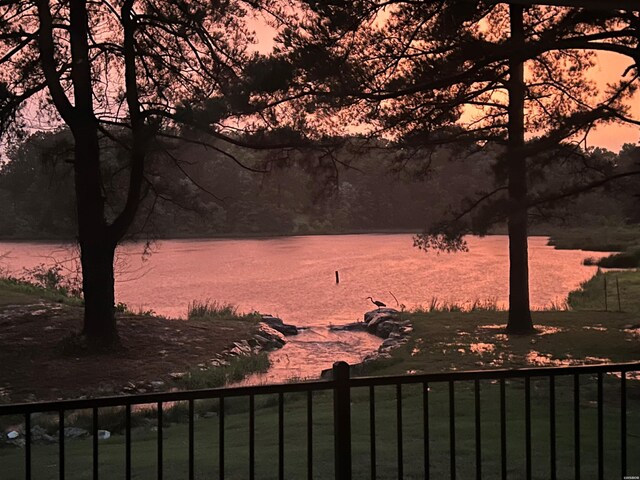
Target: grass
pixel 16 291
pixel 600 239
pixel 213 310
pixel 237 369
pixel 591 295
pixel 437 305
pixel 627 259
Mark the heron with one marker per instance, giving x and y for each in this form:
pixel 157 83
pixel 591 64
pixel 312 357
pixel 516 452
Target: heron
pixel 377 303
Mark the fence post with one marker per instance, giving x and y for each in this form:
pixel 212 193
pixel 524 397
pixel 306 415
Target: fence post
pixel 342 420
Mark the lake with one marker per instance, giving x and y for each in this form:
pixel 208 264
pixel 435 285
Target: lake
pixel 294 278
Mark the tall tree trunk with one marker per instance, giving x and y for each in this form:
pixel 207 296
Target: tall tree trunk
pixel 519 309
pixel 98 287
pixel 97 248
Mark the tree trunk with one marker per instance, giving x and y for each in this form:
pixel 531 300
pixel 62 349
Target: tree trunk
pixel 519 309
pixel 98 287
pixel 97 248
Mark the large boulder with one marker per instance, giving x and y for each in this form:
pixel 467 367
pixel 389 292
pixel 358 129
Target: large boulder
pixel 384 312
pixel 269 338
pixel 279 325
pixel 386 328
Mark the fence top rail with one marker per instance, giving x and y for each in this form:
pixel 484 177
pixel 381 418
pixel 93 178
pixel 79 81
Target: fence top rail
pixel 496 374
pixel 163 397
pixel 224 392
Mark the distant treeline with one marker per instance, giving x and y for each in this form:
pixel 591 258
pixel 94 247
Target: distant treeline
pixel 194 191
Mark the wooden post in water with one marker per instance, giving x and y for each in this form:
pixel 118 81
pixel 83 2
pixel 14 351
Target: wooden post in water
pixel 606 306
pixel 618 290
pixel 337 277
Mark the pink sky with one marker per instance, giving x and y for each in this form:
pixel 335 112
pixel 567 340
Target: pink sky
pixel 609 68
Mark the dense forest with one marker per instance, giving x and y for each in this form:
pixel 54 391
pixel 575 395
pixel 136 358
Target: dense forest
pixel 192 190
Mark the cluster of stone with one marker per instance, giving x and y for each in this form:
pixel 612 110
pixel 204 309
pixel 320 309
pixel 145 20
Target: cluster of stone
pixel 387 323
pixel 16 436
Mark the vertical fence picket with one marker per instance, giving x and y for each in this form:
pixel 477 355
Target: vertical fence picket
pixel 310 435
pixel 452 430
pixel 280 436
pixel 221 438
pixel 95 442
pixel 623 423
pixel 576 425
pixel 127 441
pixel 160 442
pixel 372 431
pixel 191 440
pixel 527 423
pixel 503 430
pixel 552 426
pixel 399 431
pixel 425 428
pixel 252 438
pixel 600 429
pixel 476 391
pixel 61 438
pixel 27 446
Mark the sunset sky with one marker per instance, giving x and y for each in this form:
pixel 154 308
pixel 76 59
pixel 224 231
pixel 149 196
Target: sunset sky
pixel 609 68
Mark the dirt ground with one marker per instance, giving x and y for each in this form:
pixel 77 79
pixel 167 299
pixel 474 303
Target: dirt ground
pixel 34 367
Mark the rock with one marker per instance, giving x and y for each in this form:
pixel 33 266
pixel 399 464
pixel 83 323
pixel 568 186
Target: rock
pixel 279 325
pixel 209 414
pixel 104 434
pixel 238 352
pixel 390 342
pixel 75 432
pixel 378 320
pixel 157 384
pixel 268 338
pixel 177 375
pixel 386 328
pixel 12 435
pixel 388 312
pixel 40 435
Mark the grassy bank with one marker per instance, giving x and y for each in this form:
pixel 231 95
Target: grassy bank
pixel 599 239
pixel 16 291
pixel 622 239
pixel 591 296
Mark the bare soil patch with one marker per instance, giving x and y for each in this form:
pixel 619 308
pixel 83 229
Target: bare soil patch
pixel 34 367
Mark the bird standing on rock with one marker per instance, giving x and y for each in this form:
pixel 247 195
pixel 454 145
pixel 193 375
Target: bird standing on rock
pixel 377 303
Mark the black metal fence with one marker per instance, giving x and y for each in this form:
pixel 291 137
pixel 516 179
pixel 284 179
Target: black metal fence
pixel 444 419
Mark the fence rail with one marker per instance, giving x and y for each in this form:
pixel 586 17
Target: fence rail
pixel 468 384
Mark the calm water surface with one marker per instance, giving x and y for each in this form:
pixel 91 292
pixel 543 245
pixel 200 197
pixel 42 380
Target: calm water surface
pixel 294 278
